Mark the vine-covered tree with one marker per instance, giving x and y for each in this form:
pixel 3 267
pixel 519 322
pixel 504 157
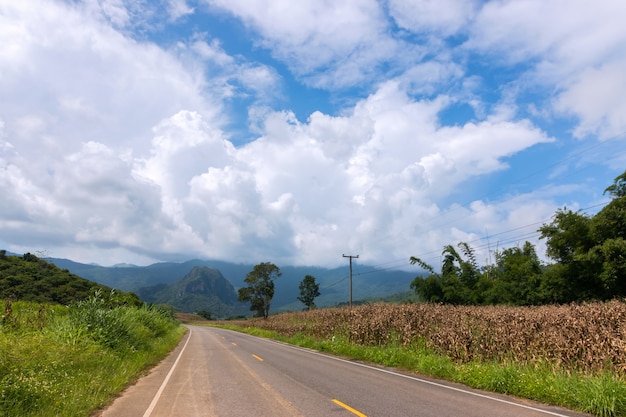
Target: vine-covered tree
pixel 457 281
pixel 260 289
pixel 309 290
pixel 514 279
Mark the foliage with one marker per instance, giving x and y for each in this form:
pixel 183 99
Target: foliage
pixel 618 188
pixel 119 327
pixel 205 314
pixel 309 290
pixel 66 361
pixel 514 279
pixel 589 254
pixel 260 289
pixel 29 278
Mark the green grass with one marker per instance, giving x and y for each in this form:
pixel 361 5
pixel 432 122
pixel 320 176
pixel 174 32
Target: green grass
pixel 69 361
pixel 602 394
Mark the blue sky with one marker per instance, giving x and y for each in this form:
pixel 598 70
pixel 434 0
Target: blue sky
pixel 136 131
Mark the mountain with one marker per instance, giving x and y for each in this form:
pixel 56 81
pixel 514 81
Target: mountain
pixel 202 289
pixel 368 282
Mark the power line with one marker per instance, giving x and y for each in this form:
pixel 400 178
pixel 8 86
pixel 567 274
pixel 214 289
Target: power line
pixel 511 239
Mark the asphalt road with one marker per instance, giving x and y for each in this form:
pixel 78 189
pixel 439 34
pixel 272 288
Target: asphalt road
pixel 219 373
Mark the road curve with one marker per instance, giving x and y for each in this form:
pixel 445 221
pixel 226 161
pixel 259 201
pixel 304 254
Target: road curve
pixel 219 373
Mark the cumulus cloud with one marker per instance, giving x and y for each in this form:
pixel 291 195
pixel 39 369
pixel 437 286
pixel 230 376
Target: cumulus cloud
pixel 303 192
pixel 68 78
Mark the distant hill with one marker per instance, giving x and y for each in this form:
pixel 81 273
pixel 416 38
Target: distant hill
pixel 29 278
pixel 202 289
pixel 368 282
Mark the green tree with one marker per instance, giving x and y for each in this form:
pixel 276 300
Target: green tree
pixel 309 290
pixel 590 252
pixel 428 289
pixel 608 229
pixel 618 188
pixel 574 276
pixel 458 279
pixel 516 277
pixel 260 289
pixel 205 314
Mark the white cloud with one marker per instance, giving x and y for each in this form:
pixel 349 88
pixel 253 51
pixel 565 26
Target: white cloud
pixel 178 9
pixel 441 17
pixel 330 44
pixel 304 192
pixel 576 51
pixel 596 96
pixel 115 11
pixel 550 31
pixel 78 80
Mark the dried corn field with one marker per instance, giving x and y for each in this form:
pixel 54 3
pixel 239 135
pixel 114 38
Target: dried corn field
pixel 587 337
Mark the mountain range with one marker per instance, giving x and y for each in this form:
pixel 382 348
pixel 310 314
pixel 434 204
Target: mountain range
pixel 152 282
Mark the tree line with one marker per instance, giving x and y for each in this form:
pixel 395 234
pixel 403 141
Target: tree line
pixel 588 254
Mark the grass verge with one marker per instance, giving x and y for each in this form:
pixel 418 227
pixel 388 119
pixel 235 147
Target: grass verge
pixel 70 361
pixel 601 394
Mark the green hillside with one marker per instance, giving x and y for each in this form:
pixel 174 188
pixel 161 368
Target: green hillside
pixel 29 278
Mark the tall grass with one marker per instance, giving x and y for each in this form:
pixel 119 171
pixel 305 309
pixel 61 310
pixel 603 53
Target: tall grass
pixel 570 355
pixel 68 361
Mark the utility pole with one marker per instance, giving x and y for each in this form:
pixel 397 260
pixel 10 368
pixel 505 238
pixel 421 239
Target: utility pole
pixel 350 256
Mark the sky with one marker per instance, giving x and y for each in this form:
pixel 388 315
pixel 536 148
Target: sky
pixel 296 132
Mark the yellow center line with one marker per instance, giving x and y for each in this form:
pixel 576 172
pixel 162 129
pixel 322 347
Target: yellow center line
pixel 233 343
pixel 350 409
pixel 257 357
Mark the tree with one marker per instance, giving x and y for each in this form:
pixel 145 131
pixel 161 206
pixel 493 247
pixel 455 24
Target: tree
pixel 618 188
pixel 575 276
pixel 590 251
pixel 516 277
pixel 260 289
pixel 205 314
pixel 457 281
pixel 309 289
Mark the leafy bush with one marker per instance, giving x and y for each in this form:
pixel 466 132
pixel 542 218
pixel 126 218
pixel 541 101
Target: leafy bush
pixel 119 327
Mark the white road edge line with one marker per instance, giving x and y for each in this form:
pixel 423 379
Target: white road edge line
pixel 418 379
pixel 155 400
